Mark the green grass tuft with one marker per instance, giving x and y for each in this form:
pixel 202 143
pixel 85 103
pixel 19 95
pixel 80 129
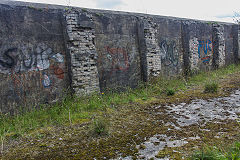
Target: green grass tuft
pixel 208 154
pixel 99 127
pixel 214 153
pixel 170 92
pixel 211 87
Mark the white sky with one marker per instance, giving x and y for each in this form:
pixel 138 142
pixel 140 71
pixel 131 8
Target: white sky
pixel 215 10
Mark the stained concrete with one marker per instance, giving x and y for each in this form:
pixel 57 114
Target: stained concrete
pixel 47 50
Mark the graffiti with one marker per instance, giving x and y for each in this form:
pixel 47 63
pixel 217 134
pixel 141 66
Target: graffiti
pixel 30 73
pixel 169 53
pixel 58 57
pixel 9 61
pixel 21 79
pixel 206 48
pixel 46 81
pixel 28 59
pixel 57 71
pixel 119 58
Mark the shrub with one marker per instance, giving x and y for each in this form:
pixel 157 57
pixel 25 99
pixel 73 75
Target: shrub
pixel 211 87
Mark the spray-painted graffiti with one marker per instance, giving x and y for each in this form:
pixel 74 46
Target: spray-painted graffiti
pixel 19 79
pixel 25 84
pixel 119 58
pixel 58 57
pixel 31 73
pixel 28 59
pixel 58 71
pixel 46 81
pixel 205 50
pixel 169 53
pixel 9 61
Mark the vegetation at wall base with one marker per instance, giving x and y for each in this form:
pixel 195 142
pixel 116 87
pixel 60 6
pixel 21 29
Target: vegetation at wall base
pixel 214 153
pixel 83 110
pixel 211 87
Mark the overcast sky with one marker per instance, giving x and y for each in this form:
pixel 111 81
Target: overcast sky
pixel 216 10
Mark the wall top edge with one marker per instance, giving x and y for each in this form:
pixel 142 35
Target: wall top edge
pixel 13 4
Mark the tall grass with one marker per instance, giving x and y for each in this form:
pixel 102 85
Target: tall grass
pixel 72 110
pixel 214 153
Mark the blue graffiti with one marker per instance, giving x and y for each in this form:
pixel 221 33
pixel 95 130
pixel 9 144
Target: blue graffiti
pixel 206 47
pixel 46 81
pixel 206 59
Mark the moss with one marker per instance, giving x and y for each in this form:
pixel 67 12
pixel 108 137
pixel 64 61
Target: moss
pixel 162 154
pixel 130 125
pixel 99 14
pixel 142 147
pixel 84 10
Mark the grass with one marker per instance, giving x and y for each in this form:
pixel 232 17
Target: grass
pixel 99 127
pixel 214 153
pixel 170 92
pixel 75 110
pixel 211 87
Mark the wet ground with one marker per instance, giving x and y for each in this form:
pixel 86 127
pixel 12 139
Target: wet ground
pixel 198 112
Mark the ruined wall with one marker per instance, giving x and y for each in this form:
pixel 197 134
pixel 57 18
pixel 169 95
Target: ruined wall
pixel 80 42
pixel 46 50
pixel 117 48
pixel 32 57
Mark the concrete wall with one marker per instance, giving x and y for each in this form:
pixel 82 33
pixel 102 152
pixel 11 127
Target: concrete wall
pixel 46 50
pixel 33 62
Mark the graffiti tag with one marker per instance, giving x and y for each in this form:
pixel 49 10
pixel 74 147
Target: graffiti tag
pixel 119 58
pixel 169 54
pixel 206 47
pixel 46 81
pixel 57 71
pixel 28 59
pixel 9 61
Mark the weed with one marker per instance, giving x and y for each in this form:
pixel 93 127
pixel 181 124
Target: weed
pixel 234 152
pixel 211 87
pixel 99 14
pixel 84 10
pixel 208 153
pixel 170 92
pixel 31 7
pixel 214 153
pixel 99 127
pixel 66 9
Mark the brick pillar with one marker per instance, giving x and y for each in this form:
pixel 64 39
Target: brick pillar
pixel 81 34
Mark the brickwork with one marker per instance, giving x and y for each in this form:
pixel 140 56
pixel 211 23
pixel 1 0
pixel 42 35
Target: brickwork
pixel 218 31
pixel 153 55
pixel 194 57
pixel 83 53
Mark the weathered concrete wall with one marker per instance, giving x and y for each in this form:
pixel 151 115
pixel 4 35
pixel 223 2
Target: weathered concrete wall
pixel 33 66
pixel 46 50
pixel 117 48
